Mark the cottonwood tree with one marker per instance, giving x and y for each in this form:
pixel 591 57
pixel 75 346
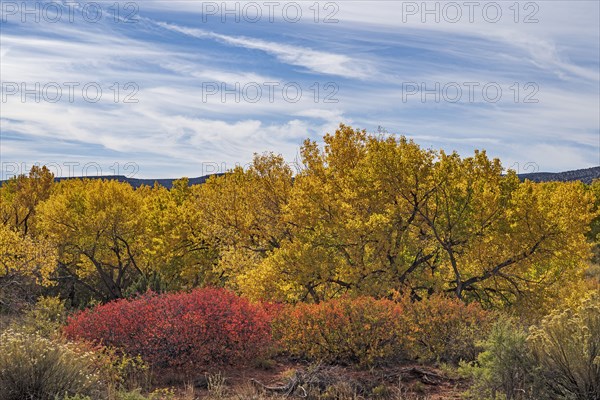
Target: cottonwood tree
pixel 26 259
pixel 366 215
pixel 180 254
pixel 20 195
pixel 22 260
pixel 501 238
pixel 351 217
pixel 97 227
pixel 376 214
pixel 242 213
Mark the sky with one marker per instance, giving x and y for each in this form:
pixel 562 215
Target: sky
pixel 164 89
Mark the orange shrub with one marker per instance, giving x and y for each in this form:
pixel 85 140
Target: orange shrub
pixel 444 328
pixel 367 331
pixel 361 331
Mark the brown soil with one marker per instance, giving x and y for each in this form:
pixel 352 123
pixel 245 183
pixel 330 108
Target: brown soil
pixel 408 381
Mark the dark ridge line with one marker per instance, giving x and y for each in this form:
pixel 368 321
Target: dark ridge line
pixel 586 175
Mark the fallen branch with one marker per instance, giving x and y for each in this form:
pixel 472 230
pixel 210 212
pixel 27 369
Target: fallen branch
pixel 287 389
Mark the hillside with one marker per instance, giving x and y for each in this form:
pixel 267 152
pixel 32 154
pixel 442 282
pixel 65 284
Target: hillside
pixel 135 182
pixel 586 175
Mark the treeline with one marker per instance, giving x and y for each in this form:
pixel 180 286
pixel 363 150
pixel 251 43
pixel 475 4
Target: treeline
pixel 366 215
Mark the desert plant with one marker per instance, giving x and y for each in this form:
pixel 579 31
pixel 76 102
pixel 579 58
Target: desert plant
pixel 216 384
pixel 130 395
pixel 76 397
pixel 34 367
pixel 506 368
pixel 121 371
pixel 567 347
pixel 46 317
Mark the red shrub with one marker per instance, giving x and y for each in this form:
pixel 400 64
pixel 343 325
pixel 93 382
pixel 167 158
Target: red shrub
pixel 204 327
pixel 273 310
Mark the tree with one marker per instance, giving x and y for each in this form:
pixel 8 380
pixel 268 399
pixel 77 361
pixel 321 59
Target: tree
pixel 96 226
pixel 502 239
pixel 25 258
pixel 367 215
pixel 22 260
pixel 241 211
pixel 351 218
pixel 181 253
pixel 21 194
pixel 594 233
pixel 377 214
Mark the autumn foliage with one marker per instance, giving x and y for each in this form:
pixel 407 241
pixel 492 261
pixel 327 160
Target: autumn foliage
pixel 445 329
pixel 365 215
pixel 369 250
pixel 204 327
pixel 370 331
pixel 344 330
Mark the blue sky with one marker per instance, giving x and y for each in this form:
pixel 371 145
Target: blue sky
pixel 519 79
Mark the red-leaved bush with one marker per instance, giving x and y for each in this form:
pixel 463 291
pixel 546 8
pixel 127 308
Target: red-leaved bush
pixel 204 327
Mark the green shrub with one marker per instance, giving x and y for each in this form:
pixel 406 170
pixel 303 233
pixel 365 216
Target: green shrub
pixel 34 367
pixel 559 360
pixel 46 318
pixel 131 395
pixel 567 348
pixel 121 371
pixel 505 369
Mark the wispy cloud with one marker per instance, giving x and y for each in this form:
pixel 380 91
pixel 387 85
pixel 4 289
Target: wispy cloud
pixel 175 129
pixel 316 61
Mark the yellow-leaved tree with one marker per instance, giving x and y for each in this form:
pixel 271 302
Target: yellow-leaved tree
pixel 241 212
pixel 178 248
pixel 378 214
pixel 21 256
pixel 20 195
pixel 97 227
pixel 366 215
pixel 504 241
pixel 26 258
pixel 351 216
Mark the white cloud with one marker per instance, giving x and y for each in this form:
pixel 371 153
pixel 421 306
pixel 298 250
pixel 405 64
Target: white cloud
pixel 172 131
pixel 313 60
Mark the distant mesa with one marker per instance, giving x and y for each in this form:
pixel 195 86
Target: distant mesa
pixel 135 182
pixel 586 175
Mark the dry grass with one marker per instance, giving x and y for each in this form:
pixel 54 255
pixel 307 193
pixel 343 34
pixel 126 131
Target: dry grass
pixel 334 393
pixel 6 320
pixel 328 383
